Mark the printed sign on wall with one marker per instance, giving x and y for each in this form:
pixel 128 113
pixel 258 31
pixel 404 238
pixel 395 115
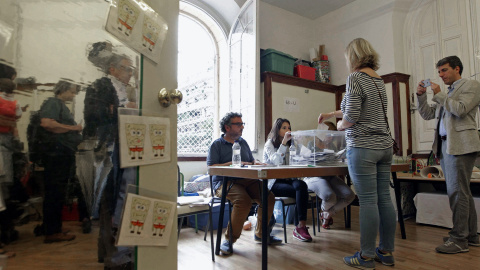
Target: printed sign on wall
pixel 146 221
pixel 138 25
pixel 291 104
pixel 143 140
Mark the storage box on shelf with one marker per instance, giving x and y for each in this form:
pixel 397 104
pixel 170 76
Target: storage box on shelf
pixel 318 147
pixel 276 61
pixel 305 72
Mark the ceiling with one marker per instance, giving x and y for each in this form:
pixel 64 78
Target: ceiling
pixel 311 9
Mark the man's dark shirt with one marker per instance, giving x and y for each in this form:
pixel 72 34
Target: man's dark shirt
pixel 221 152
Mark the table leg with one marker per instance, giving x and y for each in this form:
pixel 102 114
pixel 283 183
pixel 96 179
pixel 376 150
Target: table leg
pixel 220 217
pixel 348 219
pixel 265 221
pixel 398 199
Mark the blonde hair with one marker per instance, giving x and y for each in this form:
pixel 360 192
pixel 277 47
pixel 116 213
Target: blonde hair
pixel 360 54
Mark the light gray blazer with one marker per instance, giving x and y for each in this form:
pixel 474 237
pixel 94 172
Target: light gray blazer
pixel 460 108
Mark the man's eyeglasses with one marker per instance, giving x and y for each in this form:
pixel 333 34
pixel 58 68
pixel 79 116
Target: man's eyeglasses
pixel 238 124
pixel 127 69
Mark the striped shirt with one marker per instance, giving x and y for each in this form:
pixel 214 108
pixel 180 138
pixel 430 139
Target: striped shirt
pixel 362 106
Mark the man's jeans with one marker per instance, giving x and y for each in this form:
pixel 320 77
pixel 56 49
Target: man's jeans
pixel 370 173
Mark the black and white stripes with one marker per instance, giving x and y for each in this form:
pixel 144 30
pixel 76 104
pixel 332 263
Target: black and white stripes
pixel 362 106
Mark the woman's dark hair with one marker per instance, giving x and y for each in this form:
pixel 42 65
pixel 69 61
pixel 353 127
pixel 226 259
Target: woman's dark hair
pixel 6 71
pixel 226 120
pixel 273 135
pixel 453 61
pixel 7 85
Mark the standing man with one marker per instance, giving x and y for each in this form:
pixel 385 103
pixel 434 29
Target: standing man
pixel 102 101
pixel 241 191
pixel 456 143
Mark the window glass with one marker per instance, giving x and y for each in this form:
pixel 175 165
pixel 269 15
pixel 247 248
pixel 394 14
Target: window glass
pixel 196 80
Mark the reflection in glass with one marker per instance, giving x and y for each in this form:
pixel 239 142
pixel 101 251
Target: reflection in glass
pixel 70 43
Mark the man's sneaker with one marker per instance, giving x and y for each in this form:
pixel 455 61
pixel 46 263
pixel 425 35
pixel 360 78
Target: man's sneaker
pixel 225 248
pixel 470 243
pixel 272 240
pixel 450 247
pixel 302 234
pixel 384 258
pixel 358 262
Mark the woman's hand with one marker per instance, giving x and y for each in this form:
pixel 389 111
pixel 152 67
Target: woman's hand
pixel 325 116
pixel 287 137
pixel 340 126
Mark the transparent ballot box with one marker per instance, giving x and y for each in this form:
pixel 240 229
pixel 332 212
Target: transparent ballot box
pixel 317 147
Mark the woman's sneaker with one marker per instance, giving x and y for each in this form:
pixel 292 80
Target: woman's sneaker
pixel 358 262
pixel 384 258
pixel 302 234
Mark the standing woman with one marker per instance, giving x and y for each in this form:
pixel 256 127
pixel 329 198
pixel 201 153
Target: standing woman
pixel 369 154
pixel 274 151
pixel 58 124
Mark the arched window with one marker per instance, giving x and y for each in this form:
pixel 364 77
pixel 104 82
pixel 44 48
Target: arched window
pixel 199 47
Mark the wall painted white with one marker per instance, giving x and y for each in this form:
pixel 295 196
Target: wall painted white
pixel 285 31
pixel 378 21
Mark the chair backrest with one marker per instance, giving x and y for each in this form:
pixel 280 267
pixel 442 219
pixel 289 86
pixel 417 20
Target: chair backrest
pixel 181 180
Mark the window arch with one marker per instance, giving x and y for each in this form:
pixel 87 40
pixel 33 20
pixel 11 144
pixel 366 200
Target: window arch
pixel 201 45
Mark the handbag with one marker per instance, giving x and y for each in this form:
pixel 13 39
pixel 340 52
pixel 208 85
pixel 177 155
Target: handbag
pixel 395 144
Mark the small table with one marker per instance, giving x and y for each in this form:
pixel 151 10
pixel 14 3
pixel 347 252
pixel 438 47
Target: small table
pixel 407 177
pixel 263 173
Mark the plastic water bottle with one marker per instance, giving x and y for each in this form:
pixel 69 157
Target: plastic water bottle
pixel 293 153
pixel 236 157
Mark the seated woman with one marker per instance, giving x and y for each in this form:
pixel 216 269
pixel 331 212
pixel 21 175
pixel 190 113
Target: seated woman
pixel 333 191
pixel 276 146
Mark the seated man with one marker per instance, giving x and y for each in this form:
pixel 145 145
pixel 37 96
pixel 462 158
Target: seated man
pixel 242 191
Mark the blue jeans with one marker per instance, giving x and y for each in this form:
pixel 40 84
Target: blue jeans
pixel 370 173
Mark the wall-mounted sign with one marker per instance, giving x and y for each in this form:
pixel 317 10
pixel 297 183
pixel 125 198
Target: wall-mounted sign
pixel 291 104
pixel 138 25
pixel 146 221
pixel 143 140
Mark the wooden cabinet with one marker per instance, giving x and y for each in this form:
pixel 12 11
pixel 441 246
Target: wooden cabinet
pixel 314 98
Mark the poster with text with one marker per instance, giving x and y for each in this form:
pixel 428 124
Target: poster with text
pixel 143 140
pixel 146 221
pixel 137 25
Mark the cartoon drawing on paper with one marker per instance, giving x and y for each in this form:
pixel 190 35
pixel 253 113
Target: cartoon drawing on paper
pixel 158 138
pixel 150 33
pixel 127 16
pixel 161 212
pixel 135 139
pixel 138 214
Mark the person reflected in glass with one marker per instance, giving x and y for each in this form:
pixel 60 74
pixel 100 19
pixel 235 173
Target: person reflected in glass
pixel 58 157
pixel 369 154
pixel 102 100
pixel 10 112
pixel 274 153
